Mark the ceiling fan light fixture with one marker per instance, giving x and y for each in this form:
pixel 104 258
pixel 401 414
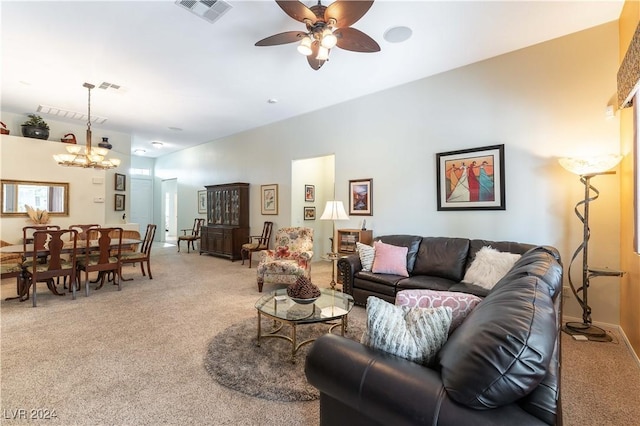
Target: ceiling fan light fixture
pixel 329 40
pixel 305 46
pixel 323 53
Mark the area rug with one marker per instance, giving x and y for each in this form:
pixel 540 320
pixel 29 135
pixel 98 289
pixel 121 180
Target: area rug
pixel 234 360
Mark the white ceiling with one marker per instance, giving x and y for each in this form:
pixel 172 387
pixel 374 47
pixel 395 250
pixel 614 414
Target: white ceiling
pixel 178 70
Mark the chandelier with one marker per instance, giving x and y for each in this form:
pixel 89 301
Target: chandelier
pixel 87 156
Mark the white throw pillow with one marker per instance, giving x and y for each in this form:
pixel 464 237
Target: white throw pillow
pixel 416 334
pixel 367 254
pixel 489 266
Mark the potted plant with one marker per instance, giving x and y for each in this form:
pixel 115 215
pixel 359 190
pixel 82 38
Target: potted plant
pixel 35 127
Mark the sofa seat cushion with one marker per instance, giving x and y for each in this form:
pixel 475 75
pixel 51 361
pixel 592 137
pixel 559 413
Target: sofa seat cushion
pixel 470 288
pixel 502 351
pixel 377 286
pixel 387 279
pixel 442 257
pixel 425 282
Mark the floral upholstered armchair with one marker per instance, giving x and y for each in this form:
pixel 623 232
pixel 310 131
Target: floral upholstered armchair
pixel 290 259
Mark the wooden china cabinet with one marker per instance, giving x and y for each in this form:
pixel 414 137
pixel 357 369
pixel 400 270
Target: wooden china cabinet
pixel 227 225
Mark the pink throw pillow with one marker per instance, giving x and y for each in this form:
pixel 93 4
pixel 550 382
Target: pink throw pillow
pixel 389 259
pixel 461 304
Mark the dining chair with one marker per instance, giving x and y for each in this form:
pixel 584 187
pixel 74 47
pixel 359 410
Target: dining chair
pixel 83 230
pixel 142 256
pixel 289 260
pixel 50 245
pixel 99 258
pixel 11 266
pixel 257 242
pixel 10 263
pixel 191 235
pixel 27 238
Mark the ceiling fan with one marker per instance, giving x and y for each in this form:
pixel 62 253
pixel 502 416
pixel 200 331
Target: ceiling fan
pixel 327 27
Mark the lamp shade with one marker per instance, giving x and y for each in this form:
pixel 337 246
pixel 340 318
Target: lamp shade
pixel 334 210
pixel 590 165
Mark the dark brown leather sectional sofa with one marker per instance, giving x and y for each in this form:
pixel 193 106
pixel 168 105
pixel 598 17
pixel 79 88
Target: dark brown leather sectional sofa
pixel 501 366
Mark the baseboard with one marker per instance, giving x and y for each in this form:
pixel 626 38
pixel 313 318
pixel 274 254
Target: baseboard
pixel 608 326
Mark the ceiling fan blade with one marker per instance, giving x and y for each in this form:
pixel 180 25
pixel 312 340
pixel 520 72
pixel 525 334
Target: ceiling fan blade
pixel 297 10
pixel 345 12
pixel 355 40
pixel 282 38
pixel 313 62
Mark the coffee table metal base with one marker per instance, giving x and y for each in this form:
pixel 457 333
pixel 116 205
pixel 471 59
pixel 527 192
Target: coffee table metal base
pixel 278 324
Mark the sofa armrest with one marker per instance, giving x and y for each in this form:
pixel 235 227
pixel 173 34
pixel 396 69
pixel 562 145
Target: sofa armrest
pixel 384 389
pixel 381 385
pixel 348 266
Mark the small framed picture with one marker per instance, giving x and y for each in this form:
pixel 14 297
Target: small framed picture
pixel 121 182
pixel 309 193
pixel 471 179
pixel 269 198
pixel 361 197
pixel 202 201
pixel 119 202
pixel 309 213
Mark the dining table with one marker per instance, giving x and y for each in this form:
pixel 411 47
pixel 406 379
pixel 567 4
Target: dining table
pixel 27 251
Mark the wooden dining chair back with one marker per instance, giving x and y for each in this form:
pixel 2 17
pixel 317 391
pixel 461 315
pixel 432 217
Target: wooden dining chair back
pixel 130 234
pixel 257 242
pixel 28 238
pixel 144 255
pixel 191 235
pixel 84 230
pixel 59 248
pixel 101 256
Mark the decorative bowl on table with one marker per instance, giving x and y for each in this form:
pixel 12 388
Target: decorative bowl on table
pixel 303 291
pixel 304 301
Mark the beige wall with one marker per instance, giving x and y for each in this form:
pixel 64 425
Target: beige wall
pixel 543 102
pixel 32 159
pixel 630 261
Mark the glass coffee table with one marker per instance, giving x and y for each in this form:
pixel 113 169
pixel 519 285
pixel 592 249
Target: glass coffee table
pixel 332 305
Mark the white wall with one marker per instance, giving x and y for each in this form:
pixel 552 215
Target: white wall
pixel 542 102
pixel 32 159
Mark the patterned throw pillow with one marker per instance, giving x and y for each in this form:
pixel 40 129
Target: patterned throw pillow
pixel 489 266
pixel 366 254
pixel 416 334
pixel 461 304
pixel 389 259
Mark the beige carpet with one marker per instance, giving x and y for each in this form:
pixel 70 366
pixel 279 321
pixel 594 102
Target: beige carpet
pixel 137 356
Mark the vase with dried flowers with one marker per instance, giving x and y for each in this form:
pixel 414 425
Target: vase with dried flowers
pixel 37 216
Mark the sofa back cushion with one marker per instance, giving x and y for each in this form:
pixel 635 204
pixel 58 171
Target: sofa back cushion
pixel 411 242
pixel 442 257
pixel 502 351
pixel 503 246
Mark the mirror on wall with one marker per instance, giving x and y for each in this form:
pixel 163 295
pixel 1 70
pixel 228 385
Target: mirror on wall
pixel 50 196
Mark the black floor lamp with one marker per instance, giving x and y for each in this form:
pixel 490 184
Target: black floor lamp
pixel 587 169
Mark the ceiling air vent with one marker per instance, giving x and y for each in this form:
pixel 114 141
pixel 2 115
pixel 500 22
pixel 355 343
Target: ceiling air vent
pixel 209 10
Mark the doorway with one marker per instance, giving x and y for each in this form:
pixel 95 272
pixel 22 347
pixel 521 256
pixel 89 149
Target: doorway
pixel 320 173
pixel 141 202
pixel 169 218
